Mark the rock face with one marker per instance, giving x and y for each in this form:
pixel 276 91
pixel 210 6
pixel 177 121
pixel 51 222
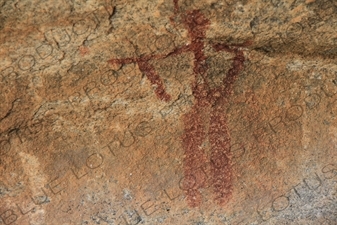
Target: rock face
pixel 168 112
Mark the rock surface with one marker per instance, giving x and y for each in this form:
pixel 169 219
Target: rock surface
pixel 168 112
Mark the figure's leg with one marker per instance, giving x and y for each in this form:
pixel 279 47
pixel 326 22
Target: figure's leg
pixel 221 167
pixel 194 156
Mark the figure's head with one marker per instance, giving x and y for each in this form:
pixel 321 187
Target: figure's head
pixel 196 23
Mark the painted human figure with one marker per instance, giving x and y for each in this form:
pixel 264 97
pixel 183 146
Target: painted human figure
pixel 206 120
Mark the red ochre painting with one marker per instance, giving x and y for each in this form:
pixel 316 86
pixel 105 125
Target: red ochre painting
pixel 207 99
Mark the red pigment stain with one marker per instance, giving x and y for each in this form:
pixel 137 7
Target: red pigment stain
pixel 146 68
pixel 83 50
pixel 176 6
pixel 154 78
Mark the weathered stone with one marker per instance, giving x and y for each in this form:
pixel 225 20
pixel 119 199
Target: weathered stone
pixel 168 112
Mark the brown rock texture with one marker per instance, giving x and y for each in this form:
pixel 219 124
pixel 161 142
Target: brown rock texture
pixel 198 112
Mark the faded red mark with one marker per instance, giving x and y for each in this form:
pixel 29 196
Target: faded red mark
pixel 176 6
pixel 213 101
pixel 83 50
pixel 146 68
pixel 154 78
